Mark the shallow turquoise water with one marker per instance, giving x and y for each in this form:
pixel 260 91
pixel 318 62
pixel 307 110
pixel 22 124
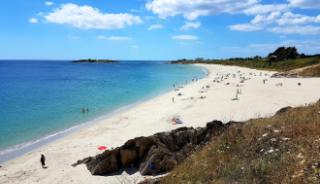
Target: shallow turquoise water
pixel 39 98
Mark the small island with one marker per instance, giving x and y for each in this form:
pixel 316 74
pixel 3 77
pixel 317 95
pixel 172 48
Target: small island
pixel 95 61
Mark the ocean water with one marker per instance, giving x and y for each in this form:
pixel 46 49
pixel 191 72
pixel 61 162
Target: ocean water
pixel 40 98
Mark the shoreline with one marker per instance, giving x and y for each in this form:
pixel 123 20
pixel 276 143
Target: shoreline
pixel 19 150
pixel 16 151
pixel 200 102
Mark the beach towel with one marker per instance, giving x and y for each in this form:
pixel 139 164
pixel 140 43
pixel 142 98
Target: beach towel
pixel 102 148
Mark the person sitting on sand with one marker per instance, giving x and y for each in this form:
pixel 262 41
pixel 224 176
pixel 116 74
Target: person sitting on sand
pixel 43 161
pixel 176 120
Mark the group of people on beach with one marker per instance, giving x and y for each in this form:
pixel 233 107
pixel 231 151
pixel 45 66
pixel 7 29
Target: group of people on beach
pixel 177 87
pixel 84 110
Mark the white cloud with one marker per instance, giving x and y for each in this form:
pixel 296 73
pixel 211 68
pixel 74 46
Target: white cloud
pixel 155 26
pixel 274 17
pixel 265 19
pixel 33 20
pixel 87 17
pixel 245 27
pixel 49 3
pixel 192 9
pixel 284 19
pixel 302 30
pixel 265 8
pixel 184 38
pixel 114 38
pixel 190 25
pixel 290 18
pixel 284 23
pixel 315 4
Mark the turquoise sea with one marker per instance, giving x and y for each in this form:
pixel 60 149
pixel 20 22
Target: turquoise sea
pixel 40 99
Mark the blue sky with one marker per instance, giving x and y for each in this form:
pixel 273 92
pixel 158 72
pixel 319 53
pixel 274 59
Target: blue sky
pixel 156 29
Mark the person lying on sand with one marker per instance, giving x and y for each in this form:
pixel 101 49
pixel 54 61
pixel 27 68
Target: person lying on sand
pixel 176 120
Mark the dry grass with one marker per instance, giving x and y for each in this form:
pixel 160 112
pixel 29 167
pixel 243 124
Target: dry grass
pixel 311 71
pixel 284 65
pixel 281 149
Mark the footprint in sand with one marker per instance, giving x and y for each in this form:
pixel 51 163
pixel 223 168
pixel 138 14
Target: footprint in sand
pixel 4 179
pixel 18 174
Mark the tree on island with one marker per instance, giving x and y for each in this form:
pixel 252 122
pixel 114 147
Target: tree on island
pixel 95 61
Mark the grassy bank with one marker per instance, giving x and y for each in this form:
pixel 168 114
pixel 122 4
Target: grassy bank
pixel 281 149
pixel 284 65
pixel 313 71
pixel 262 64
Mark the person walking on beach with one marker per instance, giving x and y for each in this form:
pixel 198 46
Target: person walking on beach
pixel 43 161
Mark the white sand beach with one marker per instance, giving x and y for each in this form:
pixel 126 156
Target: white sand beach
pixel 212 98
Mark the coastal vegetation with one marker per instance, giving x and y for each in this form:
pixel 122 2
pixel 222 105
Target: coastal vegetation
pixel 280 149
pixel 312 71
pixel 282 59
pixel 283 148
pixel 95 61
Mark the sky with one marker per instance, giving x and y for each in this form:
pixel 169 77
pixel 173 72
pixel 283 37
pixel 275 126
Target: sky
pixel 156 29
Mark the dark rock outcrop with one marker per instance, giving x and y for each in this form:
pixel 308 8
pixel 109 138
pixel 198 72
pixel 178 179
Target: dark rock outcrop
pixel 285 75
pixel 155 154
pixel 283 110
pixel 107 162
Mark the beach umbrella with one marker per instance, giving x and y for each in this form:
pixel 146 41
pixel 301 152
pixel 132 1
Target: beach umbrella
pixel 102 148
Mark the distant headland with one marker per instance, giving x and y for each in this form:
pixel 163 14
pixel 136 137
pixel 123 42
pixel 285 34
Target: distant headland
pixel 95 61
pixel 284 59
